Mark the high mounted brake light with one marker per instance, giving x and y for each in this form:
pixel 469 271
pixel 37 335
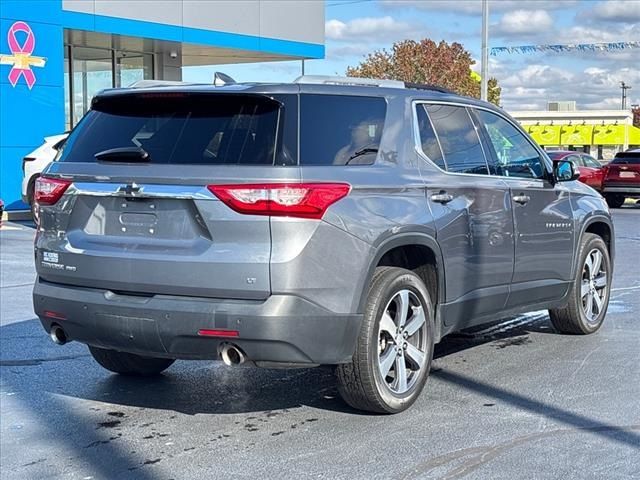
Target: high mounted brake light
pixel 303 200
pixel 49 190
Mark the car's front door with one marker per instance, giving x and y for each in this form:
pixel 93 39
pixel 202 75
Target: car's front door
pixel 543 218
pixel 471 211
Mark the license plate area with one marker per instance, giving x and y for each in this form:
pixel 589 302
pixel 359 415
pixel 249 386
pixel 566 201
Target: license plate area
pixel 160 218
pixel 627 174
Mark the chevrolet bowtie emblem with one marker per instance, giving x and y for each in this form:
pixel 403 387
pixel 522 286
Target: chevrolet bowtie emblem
pixel 130 189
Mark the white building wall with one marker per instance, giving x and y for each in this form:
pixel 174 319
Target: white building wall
pixel 294 20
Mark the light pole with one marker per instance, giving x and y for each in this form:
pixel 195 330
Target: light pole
pixel 624 88
pixel 485 51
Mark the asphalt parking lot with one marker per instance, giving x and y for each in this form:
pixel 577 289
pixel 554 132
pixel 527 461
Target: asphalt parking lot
pixel 511 400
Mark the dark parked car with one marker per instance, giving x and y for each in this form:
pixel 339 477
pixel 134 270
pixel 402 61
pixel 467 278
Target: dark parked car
pixel 622 178
pixel 591 170
pixel 345 222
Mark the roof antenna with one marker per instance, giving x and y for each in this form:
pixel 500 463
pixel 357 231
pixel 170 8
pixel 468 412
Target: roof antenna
pixel 220 79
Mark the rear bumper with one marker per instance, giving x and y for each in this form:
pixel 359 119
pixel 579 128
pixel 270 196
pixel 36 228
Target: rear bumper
pixel 282 329
pixel 630 190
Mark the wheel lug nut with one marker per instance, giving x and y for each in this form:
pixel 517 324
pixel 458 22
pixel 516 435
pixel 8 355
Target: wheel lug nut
pixel 405 334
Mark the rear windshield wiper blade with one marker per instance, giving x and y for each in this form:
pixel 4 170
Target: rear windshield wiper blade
pixel 359 153
pixel 124 154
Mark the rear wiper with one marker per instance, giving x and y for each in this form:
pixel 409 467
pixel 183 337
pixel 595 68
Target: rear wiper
pixel 124 154
pixel 361 152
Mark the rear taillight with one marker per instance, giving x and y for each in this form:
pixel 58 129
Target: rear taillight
pixel 49 190
pixel 305 200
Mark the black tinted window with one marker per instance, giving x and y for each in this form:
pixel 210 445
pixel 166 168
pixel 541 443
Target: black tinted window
pixel 630 158
pixel 512 155
pixel 458 139
pixel 187 129
pixel 340 130
pixel 428 139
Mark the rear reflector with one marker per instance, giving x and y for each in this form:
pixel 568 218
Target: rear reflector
pixel 304 200
pixel 49 190
pixel 54 315
pixel 218 333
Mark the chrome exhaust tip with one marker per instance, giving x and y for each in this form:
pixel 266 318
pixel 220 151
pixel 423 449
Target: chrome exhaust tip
pixel 232 355
pixel 57 334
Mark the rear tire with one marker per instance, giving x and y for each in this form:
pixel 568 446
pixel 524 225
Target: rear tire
pixel 589 297
pixel 129 363
pixel 614 200
pixel 395 346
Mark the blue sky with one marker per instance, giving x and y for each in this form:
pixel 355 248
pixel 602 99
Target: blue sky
pixel 356 27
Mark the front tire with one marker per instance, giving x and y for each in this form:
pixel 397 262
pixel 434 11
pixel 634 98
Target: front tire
pixel 589 297
pixel 614 200
pixel 394 349
pixel 129 363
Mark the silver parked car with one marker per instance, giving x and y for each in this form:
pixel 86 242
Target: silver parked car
pixel 329 221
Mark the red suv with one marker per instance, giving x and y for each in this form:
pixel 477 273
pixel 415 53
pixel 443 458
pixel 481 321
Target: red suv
pixel 622 178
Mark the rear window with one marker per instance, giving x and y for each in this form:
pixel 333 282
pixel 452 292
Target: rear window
pixel 340 129
pixel 182 128
pixel 629 158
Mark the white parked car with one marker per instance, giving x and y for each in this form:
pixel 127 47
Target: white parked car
pixel 35 162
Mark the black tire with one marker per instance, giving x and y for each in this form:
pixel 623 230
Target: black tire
pixel 361 383
pixel 129 363
pixel 573 318
pixel 614 200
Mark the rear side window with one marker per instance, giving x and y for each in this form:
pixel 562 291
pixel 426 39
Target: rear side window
pixel 458 139
pixel 589 161
pixel 428 139
pixel 182 128
pixel 340 130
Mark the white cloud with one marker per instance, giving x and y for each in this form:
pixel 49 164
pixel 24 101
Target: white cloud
pixel 625 11
pixel 377 29
pixel 474 7
pixel 593 88
pixel 523 22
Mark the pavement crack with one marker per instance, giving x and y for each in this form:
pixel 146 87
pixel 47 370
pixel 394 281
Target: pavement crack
pixel 484 454
pixel 30 362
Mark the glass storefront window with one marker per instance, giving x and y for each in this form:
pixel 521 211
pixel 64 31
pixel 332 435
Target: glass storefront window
pixel 133 66
pixel 93 70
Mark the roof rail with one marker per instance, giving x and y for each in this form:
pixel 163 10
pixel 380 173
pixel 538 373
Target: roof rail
pixel 425 86
pixel 355 81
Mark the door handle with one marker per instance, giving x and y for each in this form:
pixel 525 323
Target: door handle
pixel 521 199
pixel 442 197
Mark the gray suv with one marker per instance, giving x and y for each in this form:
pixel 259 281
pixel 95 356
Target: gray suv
pixel 329 221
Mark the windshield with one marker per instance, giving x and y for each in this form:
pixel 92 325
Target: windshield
pixel 182 128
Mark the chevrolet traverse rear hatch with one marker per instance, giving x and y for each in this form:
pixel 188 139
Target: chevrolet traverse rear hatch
pixel 144 197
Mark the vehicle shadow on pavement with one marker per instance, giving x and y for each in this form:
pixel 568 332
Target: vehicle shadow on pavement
pixel 211 388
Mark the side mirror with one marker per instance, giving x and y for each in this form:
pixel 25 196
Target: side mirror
pixel 565 171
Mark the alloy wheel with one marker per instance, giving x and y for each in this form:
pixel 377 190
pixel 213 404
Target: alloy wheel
pixel 593 291
pixel 402 338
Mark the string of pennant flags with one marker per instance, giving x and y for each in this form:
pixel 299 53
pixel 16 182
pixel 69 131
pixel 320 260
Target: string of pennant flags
pixel 583 47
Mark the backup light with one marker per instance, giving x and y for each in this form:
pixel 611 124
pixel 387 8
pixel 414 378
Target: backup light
pixel 303 200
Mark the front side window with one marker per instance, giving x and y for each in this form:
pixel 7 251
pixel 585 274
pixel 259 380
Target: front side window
pixel 458 138
pixel 427 137
pixel 513 155
pixel 575 159
pixel 340 129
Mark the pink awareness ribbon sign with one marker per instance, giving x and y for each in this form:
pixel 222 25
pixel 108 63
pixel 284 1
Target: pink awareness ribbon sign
pixel 21 58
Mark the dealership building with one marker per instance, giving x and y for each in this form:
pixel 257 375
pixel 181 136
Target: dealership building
pixel 55 55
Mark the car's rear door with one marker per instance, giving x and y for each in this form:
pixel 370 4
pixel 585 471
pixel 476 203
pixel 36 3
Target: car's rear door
pixel 150 225
pixel 543 219
pixel 471 211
